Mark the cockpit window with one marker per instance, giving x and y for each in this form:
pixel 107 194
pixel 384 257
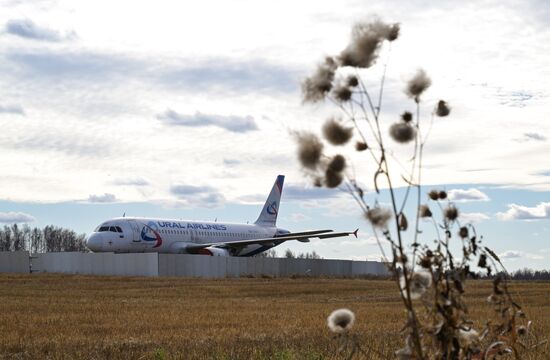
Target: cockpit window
pixel 112 229
pixel 104 228
pixel 118 229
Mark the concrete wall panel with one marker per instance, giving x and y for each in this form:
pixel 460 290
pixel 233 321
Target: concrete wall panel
pixel 15 262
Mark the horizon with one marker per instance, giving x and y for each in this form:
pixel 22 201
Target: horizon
pixel 163 109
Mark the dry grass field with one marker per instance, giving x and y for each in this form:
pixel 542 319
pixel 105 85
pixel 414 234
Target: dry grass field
pixel 84 317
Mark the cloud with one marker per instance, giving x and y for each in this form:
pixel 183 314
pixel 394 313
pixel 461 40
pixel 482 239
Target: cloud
pixel 27 29
pixel 137 181
pixel 299 217
pixel 231 162
pixel 473 217
pixel 11 109
pixel 362 241
pixel 15 217
pixel 515 254
pixel 238 124
pixel 105 198
pixel 197 196
pixel 207 74
pixel 70 144
pixel 534 136
pixel 300 192
pixel 460 195
pixel 520 212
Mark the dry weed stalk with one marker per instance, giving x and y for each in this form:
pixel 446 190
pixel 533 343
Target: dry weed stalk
pixel 430 279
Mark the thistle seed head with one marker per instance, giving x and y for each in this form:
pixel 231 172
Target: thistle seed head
pixel 417 85
pixel 442 109
pixel 337 163
pixel 451 213
pixel 442 195
pixel 341 320
pixel 424 211
pixel 463 232
pixel 353 81
pixel 319 84
pixel 366 40
pixel 402 132
pixel 467 337
pixel 419 282
pixel 361 146
pixel 333 178
pixel 379 217
pixel 336 133
pixel 310 149
pixel 342 93
pixel 434 195
pixel 407 116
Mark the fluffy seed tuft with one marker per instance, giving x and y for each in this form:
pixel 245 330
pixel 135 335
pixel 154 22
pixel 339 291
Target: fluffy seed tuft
pixel 417 85
pixel 341 320
pixel 336 133
pixel 402 132
pixel 365 43
pixel 342 93
pixel 419 283
pixel 319 84
pixel 310 149
pixel 379 217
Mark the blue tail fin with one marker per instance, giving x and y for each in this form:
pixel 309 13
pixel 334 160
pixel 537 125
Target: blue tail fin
pixel 268 216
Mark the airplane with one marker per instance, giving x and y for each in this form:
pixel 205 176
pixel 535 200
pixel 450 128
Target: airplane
pixel 136 234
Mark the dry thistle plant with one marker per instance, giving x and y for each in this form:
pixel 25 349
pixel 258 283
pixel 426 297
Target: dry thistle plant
pixel 430 279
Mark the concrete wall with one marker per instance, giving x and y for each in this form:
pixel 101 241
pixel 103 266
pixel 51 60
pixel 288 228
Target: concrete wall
pixel 14 261
pixel 97 263
pixel 220 267
pixel 152 264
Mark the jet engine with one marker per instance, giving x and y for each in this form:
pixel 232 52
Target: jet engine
pixel 214 251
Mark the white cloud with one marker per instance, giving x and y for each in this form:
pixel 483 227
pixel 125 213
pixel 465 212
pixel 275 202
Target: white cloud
pixel 460 195
pixel 237 124
pixel 520 212
pixel 105 198
pixel 516 254
pixel 299 217
pixel 473 217
pixel 361 241
pixel 15 217
pixel 27 29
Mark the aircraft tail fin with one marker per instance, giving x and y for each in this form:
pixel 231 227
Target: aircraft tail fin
pixel 268 216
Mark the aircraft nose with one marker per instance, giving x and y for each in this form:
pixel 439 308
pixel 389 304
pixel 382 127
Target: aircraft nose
pixel 94 242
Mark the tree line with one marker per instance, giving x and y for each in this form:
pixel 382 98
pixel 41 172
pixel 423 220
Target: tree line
pixel 36 240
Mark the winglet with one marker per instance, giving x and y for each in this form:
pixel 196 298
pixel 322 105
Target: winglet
pixel 355 232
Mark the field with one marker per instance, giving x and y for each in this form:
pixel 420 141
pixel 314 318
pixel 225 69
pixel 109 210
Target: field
pixel 84 317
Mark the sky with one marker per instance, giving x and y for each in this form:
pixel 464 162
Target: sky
pixel 185 110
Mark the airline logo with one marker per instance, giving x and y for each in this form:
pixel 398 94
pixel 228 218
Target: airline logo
pixel 272 208
pixel 149 232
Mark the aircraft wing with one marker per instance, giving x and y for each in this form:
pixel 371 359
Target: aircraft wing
pixel 301 236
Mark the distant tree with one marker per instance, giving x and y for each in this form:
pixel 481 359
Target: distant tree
pixel 36 240
pixel 271 253
pixel 289 254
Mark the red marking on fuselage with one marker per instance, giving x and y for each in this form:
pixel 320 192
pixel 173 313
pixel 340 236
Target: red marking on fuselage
pixel 159 239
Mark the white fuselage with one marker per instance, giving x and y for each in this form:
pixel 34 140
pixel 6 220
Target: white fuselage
pixel 173 236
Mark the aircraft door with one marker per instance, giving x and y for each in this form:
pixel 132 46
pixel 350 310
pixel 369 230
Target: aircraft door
pixel 135 231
